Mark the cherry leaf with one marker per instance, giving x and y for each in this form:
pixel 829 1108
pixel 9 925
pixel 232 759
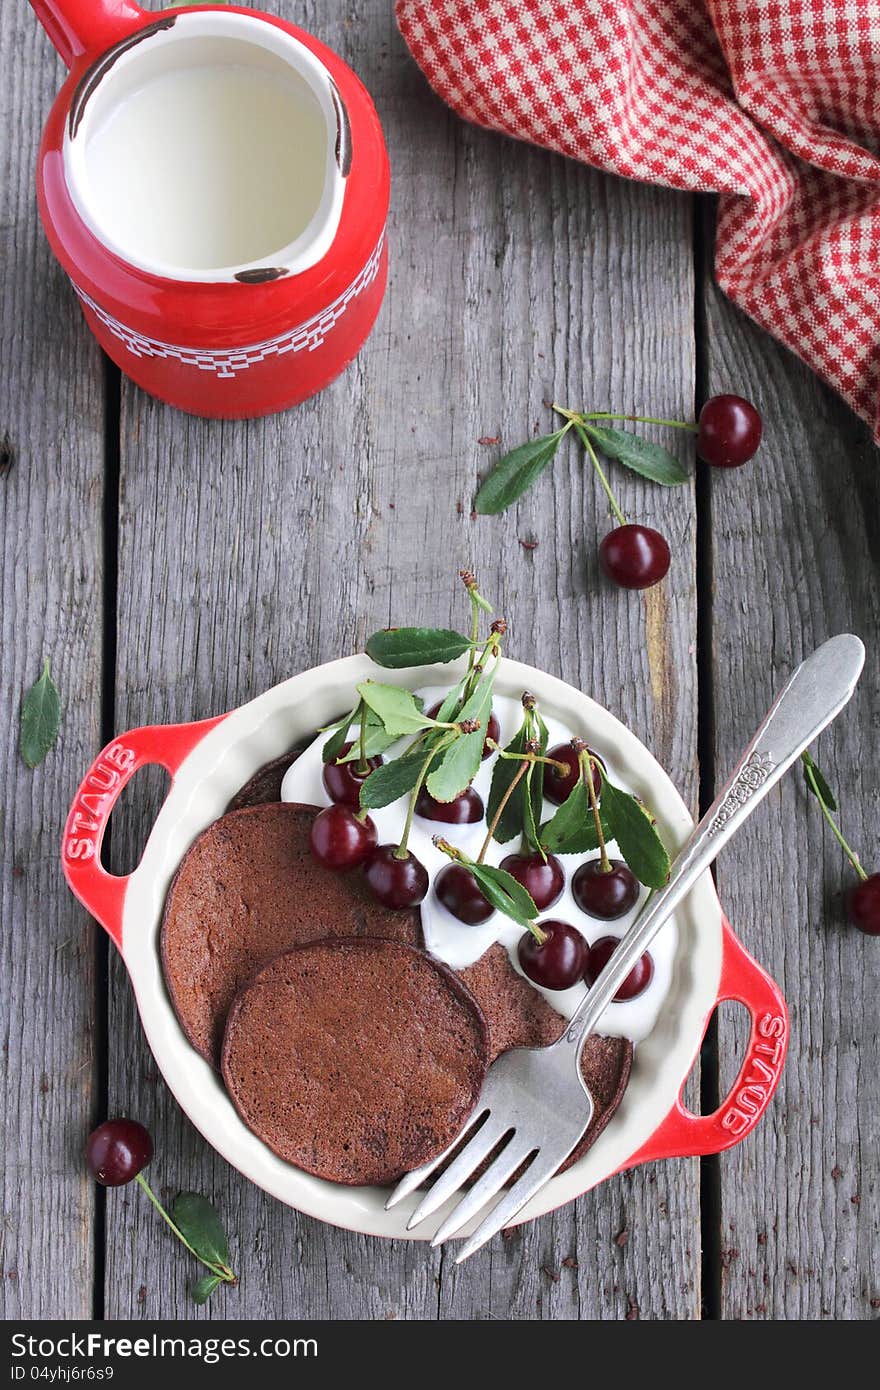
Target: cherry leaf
pixel 649 460
pixel 399 710
pixel 637 840
pixel 515 472
pixel 396 647
pixel 40 718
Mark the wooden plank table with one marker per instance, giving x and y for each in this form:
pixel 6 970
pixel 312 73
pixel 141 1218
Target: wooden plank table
pixel 173 567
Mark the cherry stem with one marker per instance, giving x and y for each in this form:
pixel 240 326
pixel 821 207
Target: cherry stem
pixel 529 757
pixel 363 766
pixel 490 649
pixel 640 419
pixel 826 812
pixel 587 764
pixel 221 1271
pixel 402 852
pixel 587 443
pixel 475 628
pixel 520 774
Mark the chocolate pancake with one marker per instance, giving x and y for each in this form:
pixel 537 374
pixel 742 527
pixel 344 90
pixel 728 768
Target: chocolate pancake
pixel 265 785
pixel 516 1013
pixel 247 889
pixel 355 1060
pixel 519 1016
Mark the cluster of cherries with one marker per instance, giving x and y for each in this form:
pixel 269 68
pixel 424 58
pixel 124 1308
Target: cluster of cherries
pixel 344 838
pixel 605 891
pixel 728 434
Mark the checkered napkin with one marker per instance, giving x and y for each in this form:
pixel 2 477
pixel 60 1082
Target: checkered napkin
pixel 775 104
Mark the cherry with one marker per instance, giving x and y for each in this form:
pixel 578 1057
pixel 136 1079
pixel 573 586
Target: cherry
pixel 466 809
pixel 460 894
pixel 636 981
pixel 729 431
pixel 117 1151
pixel 863 905
pixel 493 729
pixel 557 963
pixel 602 892
pixel 545 881
pixel 394 881
pixel 343 782
pixel 339 840
pixel 635 557
pixel 558 786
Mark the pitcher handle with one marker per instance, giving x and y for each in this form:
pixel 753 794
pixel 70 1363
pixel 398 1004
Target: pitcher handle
pixel 87 26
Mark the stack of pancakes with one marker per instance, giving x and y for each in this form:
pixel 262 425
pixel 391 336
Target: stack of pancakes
pixel 344 1046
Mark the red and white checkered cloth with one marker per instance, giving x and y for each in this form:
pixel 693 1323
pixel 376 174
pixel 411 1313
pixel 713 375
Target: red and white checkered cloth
pixel 775 104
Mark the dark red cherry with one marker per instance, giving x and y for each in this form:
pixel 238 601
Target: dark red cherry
pixel 339 840
pixel 558 786
pixel 635 557
pixel 117 1151
pixel 729 431
pixel 343 782
pixel 465 809
pixel 396 882
pixel 493 729
pixel 460 894
pixel 636 981
pixel 545 881
pixel 863 905
pixel 560 962
pixel 605 893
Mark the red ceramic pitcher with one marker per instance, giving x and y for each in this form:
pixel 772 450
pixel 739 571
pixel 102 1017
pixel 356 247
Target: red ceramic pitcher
pixel 215 183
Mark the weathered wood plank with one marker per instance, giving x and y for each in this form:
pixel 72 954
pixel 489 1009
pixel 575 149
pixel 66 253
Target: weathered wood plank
pixel 251 551
pixel 51 572
pixel 795 557
pixel 587 319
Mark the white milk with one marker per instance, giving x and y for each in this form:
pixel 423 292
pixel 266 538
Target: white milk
pixel 457 944
pixel 208 166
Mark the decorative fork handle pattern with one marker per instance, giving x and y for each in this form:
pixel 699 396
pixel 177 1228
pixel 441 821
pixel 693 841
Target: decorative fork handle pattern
pixel 818 690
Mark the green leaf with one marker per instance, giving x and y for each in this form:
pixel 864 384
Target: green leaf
pixel 817 783
pixel 520 896
pixel 572 830
pixel 375 742
pixel 495 893
pixel 395 647
pixel 503 773
pixel 338 736
pixel 196 1219
pixel 204 1287
pixel 40 718
pixel 461 762
pixel 515 472
pixel 530 820
pixel 399 710
pixel 392 780
pixel 448 709
pixel 636 837
pixel 650 460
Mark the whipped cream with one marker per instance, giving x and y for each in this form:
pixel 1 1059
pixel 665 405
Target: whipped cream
pixel 458 944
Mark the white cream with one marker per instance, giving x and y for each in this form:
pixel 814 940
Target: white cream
pixel 458 944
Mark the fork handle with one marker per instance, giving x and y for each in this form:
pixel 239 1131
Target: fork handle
pixel 818 690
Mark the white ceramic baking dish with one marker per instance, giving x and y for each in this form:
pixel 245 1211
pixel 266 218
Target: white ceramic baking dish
pixel 209 761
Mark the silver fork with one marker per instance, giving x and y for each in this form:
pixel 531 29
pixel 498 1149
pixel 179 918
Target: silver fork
pixel 534 1105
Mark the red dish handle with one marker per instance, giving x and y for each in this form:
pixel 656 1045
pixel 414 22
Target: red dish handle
pixel 683 1134
pixel 101 892
pixel 87 26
